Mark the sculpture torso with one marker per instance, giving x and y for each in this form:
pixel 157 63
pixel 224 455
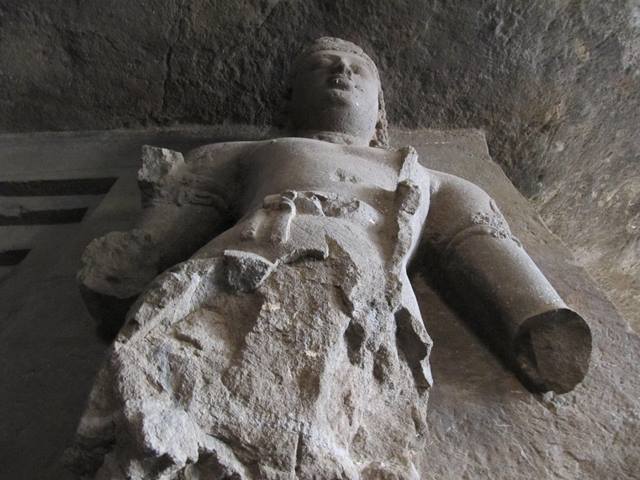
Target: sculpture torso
pixel 300 317
pixel 306 164
pixel 354 184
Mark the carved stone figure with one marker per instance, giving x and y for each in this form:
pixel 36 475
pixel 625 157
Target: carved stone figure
pixel 275 334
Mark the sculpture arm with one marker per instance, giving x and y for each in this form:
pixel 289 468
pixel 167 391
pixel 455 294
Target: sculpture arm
pixel 512 304
pixel 184 206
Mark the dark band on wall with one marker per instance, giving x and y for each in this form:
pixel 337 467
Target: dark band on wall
pixel 44 217
pixel 69 186
pixel 9 258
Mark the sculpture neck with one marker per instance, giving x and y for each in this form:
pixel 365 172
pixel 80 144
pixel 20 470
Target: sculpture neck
pixel 339 138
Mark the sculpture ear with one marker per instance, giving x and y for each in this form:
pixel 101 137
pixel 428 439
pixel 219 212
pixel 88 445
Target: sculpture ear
pixel 377 134
pixel 381 134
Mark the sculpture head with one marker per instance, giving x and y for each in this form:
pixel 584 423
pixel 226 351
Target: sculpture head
pixel 336 88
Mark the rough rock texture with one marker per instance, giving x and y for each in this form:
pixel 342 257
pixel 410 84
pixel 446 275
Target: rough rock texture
pixel 273 384
pixel 482 422
pixel 553 83
pixel 289 346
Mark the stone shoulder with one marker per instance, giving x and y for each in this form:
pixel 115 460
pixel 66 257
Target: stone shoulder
pixel 446 184
pixel 220 153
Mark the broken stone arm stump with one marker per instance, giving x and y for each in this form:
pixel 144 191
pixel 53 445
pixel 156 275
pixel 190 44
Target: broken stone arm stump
pixel 483 270
pixel 179 215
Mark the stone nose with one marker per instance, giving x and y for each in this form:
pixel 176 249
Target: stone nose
pixel 343 68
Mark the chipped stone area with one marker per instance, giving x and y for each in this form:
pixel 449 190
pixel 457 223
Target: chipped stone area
pixel 280 381
pixel 480 422
pixel 495 221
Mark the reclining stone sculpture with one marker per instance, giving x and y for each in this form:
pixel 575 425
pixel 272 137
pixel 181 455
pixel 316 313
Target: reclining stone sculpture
pixel 274 332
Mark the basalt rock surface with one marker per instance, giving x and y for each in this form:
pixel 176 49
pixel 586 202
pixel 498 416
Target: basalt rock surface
pixel 481 422
pixel 554 84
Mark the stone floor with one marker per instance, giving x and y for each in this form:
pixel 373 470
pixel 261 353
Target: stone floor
pixel 482 422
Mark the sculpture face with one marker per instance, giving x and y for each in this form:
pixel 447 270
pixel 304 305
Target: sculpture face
pixel 335 91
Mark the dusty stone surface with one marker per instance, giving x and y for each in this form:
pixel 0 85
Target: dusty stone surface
pixel 479 417
pixel 554 84
pixel 208 375
pixel 479 414
pixel 48 343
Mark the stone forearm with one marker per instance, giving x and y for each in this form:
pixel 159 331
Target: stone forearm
pixel 518 311
pixel 181 213
pixel 114 269
pixel 117 267
pixel 484 269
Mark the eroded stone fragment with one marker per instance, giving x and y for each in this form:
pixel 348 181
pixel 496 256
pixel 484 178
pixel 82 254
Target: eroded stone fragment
pixel 154 174
pixel 245 271
pixel 553 350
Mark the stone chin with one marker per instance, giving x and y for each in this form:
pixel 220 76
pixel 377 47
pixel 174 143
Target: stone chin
pixel 349 97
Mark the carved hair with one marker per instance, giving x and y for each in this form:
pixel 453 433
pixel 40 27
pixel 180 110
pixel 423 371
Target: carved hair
pixel 381 136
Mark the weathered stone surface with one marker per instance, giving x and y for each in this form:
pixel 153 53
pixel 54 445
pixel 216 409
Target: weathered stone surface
pixel 262 378
pixel 554 84
pixel 245 271
pixel 131 263
pixel 479 416
pixel 208 363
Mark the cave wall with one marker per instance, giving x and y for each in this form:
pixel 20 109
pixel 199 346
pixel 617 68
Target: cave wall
pixel 555 85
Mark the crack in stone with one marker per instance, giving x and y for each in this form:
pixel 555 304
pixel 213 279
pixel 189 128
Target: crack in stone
pixel 174 34
pixel 269 14
pixel 298 453
pixel 167 75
